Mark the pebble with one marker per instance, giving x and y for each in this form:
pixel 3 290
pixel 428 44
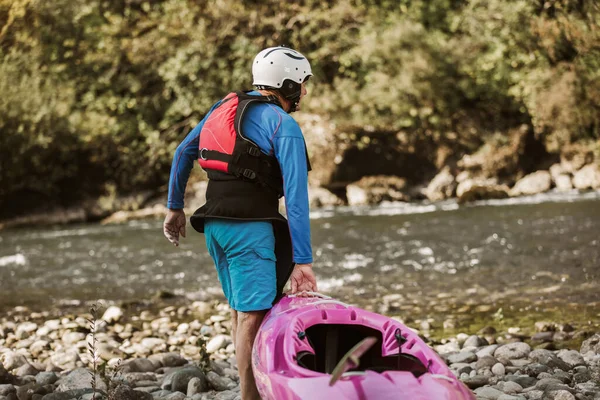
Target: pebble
pixel 162 359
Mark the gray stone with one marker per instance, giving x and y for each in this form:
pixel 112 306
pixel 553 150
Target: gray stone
pixel 509 387
pixel 562 395
pixel 138 365
pixel 523 380
pixel 7 389
pixel 581 377
pixel 534 369
pixel 176 396
pixel 161 394
pixel 488 393
pixel 589 345
pixel 548 358
pixel 498 369
pixel 112 314
pixel 476 381
pixel 181 378
pixel 68 395
pixel 26 369
pixel 571 357
pixel 12 360
pixel 462 357
pixel 217 342
pixel 125 392
pixel 511 397
pixel 27 391
pixel 168 359
pixel 475 341
pixel 562 376
pixel 80 378
pixel 197 385
pixel 219 383
pixel 513 351
pixel 487 351
pixel 535 395
pixel 46 378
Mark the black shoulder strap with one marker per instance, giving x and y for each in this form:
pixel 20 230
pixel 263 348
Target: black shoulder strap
pixel 244 100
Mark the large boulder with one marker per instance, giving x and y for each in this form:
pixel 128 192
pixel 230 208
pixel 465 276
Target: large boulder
pixel 561 178
pixel 587 177
pixel 442 186
pixel 537 182
pixel 473 190
pixel 375 189
pixel 574 157
pixel 506 158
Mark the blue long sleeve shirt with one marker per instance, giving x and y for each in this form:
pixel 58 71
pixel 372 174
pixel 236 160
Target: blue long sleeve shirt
pixel 278 134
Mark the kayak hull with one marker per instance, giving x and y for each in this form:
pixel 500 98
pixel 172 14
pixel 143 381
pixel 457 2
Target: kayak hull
pixel 300 339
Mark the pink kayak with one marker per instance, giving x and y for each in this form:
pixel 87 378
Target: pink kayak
pixel 318 348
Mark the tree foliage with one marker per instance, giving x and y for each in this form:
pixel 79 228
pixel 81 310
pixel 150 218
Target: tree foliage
pixel 99 92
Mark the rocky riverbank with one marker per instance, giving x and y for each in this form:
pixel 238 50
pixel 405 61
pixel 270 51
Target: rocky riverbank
pixel 185 352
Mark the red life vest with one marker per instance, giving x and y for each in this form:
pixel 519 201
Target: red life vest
pixel 225 153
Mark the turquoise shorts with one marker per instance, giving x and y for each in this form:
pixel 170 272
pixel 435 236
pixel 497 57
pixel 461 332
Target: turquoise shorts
pixel 244 254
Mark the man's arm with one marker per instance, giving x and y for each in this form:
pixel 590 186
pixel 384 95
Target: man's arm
pixel 291 154
pixel 183 162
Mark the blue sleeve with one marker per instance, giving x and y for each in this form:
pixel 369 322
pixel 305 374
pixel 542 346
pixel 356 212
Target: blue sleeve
pixel 290 151
pixel 183 162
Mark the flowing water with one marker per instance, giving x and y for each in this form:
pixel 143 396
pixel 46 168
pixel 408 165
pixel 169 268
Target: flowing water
pixel 514 260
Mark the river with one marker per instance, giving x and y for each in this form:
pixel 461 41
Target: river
pixel 507 261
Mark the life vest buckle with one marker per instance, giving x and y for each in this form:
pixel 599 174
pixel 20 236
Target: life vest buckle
pixel 254 151
pixel 248 173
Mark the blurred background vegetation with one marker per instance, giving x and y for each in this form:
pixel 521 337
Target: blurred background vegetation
pixel 96 94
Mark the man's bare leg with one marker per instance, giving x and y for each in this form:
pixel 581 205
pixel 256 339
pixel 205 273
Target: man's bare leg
pixel 234 322
pixel 247 329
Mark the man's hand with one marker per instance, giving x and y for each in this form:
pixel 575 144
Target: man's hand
pixel 174 225
pixel 303 279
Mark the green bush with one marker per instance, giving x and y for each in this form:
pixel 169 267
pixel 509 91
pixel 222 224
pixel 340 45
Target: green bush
pixel 98 93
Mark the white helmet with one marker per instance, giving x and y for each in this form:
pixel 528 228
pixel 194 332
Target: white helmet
pixel 272 66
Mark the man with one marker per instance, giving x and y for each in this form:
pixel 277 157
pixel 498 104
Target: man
pixel 254 153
